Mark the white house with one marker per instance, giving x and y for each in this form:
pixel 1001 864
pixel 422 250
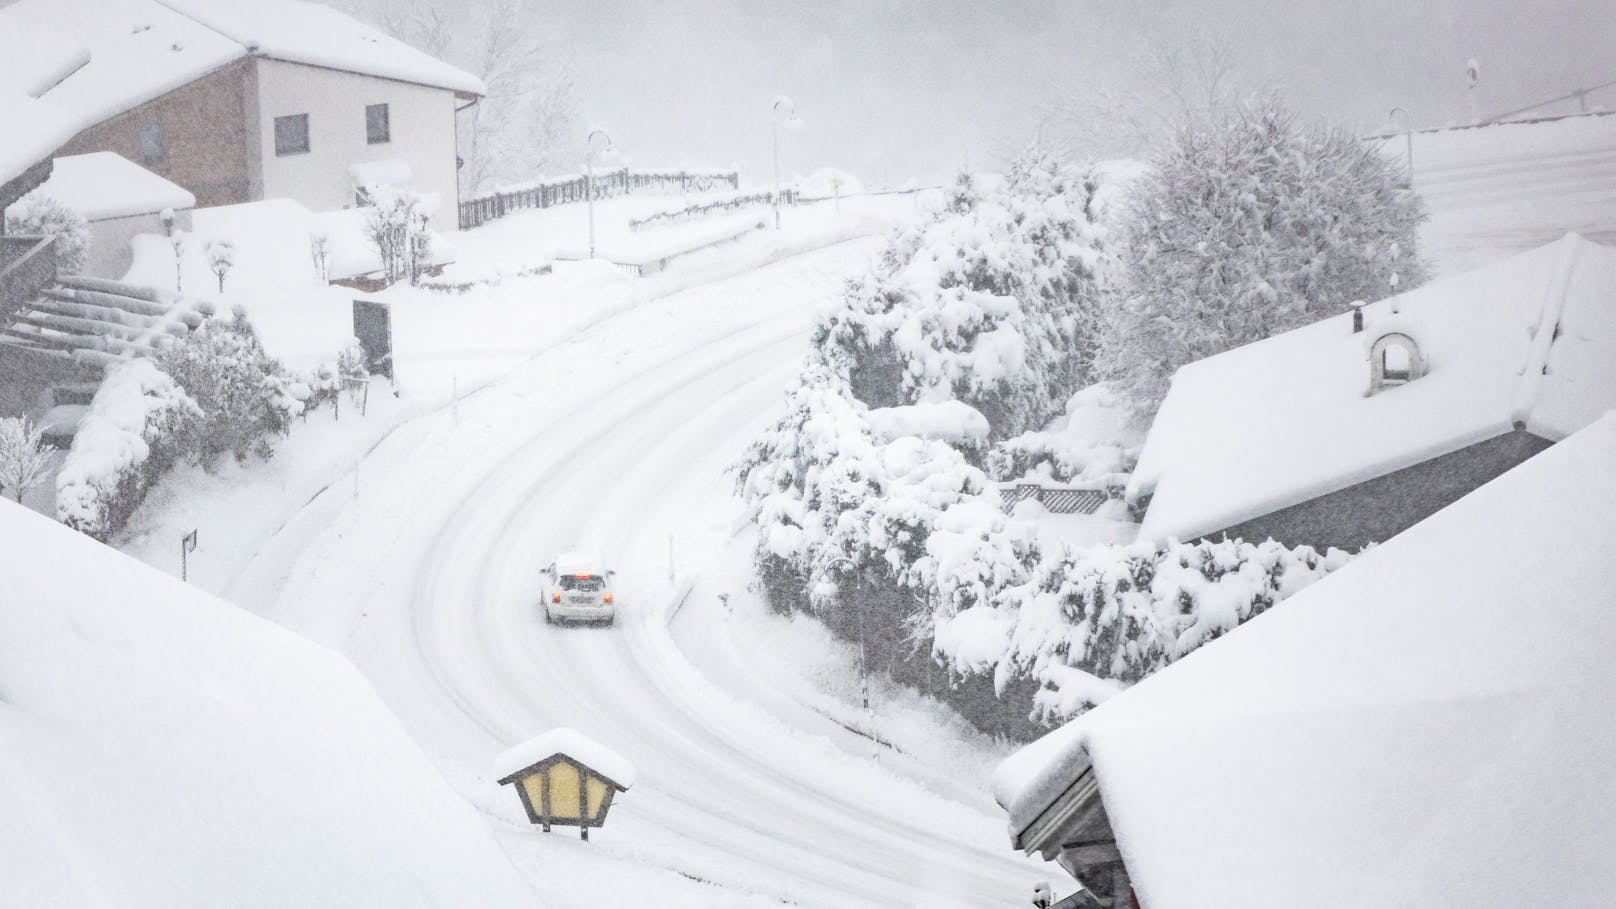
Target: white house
pixel 119 199
pixel 1428 726
pixel 1293 437
pixel 242 100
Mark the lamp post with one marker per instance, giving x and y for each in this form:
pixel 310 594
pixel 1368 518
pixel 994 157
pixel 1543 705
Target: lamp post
pixel 792 122
pixel 1408 131
pixel 589 168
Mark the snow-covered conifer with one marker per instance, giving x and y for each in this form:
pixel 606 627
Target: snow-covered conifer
pixel 38 214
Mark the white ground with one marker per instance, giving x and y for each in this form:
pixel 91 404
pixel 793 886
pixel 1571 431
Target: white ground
pixel 753 786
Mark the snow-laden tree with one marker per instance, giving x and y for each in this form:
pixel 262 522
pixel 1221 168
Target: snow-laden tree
pixel 245 396
pixel 399 226
pixel 38 214
pixel 24 459
pixel 221 258
pixel 993 303
pixel 1249 224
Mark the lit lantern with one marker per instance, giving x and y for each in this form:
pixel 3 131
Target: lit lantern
pixel 565 779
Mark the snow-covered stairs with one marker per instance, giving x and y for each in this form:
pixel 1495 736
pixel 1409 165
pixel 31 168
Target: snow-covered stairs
pixel 95 322
pixel 68 405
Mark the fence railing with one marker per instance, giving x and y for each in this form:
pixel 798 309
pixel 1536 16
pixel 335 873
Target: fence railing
pixel 575 188
pixel 698 210
pixel 27 266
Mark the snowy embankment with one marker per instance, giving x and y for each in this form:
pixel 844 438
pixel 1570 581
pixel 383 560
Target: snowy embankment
pixel 1498 190
pixel 165 749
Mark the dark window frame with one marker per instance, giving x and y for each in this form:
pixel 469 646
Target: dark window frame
pixel 384 134
pixel 283 146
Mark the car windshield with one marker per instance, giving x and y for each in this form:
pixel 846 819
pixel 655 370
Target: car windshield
pixel 590 582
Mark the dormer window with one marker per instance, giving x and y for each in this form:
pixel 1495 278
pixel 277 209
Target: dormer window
pixel 1394 359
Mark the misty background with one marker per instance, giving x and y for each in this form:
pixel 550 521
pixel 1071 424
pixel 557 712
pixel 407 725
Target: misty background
pixel 893 90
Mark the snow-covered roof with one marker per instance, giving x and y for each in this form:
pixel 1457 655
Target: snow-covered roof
pixel 1430 725
pixel 317 35
pixel 571 743
pixel 103 185
pixel 35 59
pixel 165 748
pixel 142 49
pixel 1530 340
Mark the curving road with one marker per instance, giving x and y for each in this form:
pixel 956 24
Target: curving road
pixel 615 446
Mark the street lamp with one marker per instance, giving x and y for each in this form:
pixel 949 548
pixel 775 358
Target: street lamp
pixel 1408 130
pixel 782 105
pixel 589 167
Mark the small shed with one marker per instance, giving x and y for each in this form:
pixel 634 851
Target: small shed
pixel 120 199
pixel 565 778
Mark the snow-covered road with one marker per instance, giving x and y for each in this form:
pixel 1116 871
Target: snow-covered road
pixel 616 443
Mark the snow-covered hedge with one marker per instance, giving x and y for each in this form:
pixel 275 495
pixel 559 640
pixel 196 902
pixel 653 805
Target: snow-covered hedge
pixel 139 423
pixel 1087 623
pixel 246 397
pixel 874 509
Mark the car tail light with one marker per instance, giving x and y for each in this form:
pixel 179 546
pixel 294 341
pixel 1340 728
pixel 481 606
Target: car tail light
pixel 555 597
pixel 607 597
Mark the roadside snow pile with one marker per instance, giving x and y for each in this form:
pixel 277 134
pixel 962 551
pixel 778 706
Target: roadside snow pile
pixel 133 432
pixel 955 354
pixel 166 749
pixel 827 182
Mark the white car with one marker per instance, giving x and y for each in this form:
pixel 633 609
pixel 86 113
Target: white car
pixel 577 588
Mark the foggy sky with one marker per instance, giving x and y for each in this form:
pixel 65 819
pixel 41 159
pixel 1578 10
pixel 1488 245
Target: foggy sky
pixel 891 89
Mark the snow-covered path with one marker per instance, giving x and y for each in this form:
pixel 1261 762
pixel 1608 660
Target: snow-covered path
pixel 616 443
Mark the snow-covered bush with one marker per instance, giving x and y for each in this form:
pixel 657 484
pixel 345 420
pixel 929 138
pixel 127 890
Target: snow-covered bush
pixel 221 258
pixel 246 397
pixel 1248 225
pixel 398 223
pixel 139 423
pixel 992 304
pixel 320 252
pixel 37 214
pixel 1095 444
pixel 329 380
pixel 24 459
pixel 1097 620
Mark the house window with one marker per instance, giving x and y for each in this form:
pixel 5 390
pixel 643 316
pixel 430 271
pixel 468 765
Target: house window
pixel 153 146
pixel 377 128
pixel 292 135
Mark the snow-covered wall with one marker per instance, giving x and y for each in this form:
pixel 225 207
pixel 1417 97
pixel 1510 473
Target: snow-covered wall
pixel 422 126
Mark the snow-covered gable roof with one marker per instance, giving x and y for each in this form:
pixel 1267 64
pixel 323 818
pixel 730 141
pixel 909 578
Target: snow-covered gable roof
pixel 573 744
pixel 317 35
pixel 1428 726
pixel 1287 419
pixel 140 50
pixel 164 748
pixel 103 185
pixel 32 60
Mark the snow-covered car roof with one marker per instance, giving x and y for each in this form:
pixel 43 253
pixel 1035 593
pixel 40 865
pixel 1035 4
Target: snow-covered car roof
pixel 579 563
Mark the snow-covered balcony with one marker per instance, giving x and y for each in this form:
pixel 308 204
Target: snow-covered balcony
pixel 27 266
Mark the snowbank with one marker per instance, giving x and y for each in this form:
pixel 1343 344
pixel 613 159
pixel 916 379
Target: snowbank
pixel 827 182
pixel 166 749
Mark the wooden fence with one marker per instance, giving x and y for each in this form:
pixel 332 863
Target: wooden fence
pixel 701 210
pixel 565 190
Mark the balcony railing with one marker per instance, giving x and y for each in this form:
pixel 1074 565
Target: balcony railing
pixel 27 266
